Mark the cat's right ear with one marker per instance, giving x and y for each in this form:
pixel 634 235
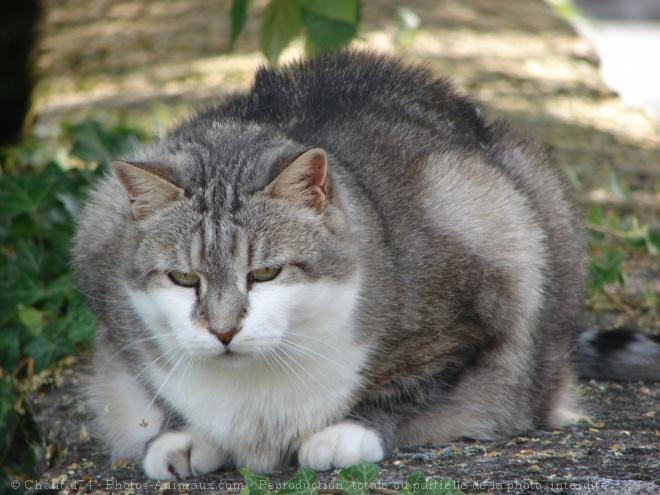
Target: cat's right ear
pixel 304 181
pixel 149 186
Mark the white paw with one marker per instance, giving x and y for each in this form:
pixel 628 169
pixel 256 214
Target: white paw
pixel 169 457
pixel 181 455
pixel 341 445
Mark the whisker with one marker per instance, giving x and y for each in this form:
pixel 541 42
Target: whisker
pixel 286 368
pixel 303 369
pixel 167 378
pixel 267 358
pixel 154 362
pixel 306 351
pixel 176 394
pixel 89 296
pixel 309 337
pixel 140 341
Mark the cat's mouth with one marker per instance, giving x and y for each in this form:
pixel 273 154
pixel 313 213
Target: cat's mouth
pixel 231 358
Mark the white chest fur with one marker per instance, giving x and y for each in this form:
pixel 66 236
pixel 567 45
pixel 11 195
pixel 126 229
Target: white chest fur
pixel 296 369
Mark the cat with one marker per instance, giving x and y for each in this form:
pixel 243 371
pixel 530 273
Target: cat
pixel 345 259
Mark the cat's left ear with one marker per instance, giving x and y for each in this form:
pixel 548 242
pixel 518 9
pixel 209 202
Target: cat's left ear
pixel 149 186
pixel 304 181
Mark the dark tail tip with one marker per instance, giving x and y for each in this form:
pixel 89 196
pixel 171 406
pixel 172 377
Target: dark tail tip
pixel 619 354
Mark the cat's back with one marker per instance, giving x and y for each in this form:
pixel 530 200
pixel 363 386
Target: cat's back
pixel 358 100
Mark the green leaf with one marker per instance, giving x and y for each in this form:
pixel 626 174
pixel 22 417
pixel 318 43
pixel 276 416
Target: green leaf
pixel 32 319
pixel 20 279
pixel 10 349
pixel 29 259
pixel 50 346
pixel 606 270
pixel 19 195
pixel 355 480
pixel 238 16
pixel 58 285
pixel 595 216
pixel 95 143
pixel 82 322
pixel 281 22
pixel 303 483
pixel 613 221
pixel 414 482
pixel 257 485
pixel 324 34
pixel 337 10
pixel 363 472
pixel 653 241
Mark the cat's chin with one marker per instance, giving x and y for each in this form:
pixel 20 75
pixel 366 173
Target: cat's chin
pixel 234 360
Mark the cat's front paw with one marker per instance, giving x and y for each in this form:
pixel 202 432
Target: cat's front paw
pixel 341 445
pixel 181 455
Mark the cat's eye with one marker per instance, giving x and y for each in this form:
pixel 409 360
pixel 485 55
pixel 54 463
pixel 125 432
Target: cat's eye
pixel 265 274
pixel 184 279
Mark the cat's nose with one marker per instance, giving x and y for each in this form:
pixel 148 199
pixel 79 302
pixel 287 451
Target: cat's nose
pixel 223 335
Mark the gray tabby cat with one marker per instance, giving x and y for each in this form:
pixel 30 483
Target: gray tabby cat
pixel 343 260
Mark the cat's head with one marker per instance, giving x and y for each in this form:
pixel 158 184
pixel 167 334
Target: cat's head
pixel 235 257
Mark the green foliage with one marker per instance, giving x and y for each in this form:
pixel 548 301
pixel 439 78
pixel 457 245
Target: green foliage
pixel 328 25
pixel 92 142
pixel 611 239
pixel 360 479
pixel 42 316
pixel 355 480
pixel 238 16
pixel 281 21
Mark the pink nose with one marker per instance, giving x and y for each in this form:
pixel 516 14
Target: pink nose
pixel 224 337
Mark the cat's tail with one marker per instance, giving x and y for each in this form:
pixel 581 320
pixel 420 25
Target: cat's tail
pixel 619 354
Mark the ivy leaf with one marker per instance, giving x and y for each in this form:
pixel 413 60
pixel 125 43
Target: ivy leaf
pixel 325 34
pixel 95 143
pixel 303 483
pixel 50 346
pixel 363 472
pixel 20 195
pixel 238 15
pixel 414 482
pixel 10 350
pixel 281 21
pixel 256 485
pixel 338 10
pixel 355 480
pixel 81 321
pixel 32 320
pixel 20 278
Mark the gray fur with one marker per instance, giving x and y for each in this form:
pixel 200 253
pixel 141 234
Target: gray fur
pixel 464 236
pixel 618 354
